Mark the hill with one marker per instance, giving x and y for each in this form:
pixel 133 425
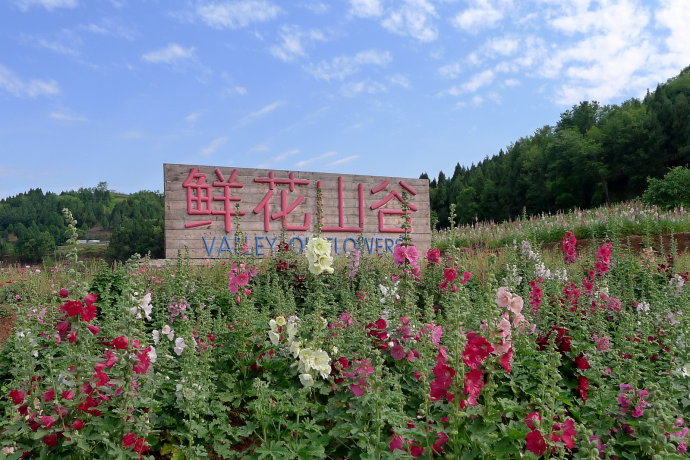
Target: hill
pixel 594 155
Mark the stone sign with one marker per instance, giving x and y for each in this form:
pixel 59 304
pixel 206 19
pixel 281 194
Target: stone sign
pixel 204 204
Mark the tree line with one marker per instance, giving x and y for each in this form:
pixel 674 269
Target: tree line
pixel 595 154
pixel 32 225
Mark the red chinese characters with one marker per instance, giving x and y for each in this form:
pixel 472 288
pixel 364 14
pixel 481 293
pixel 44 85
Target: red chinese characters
pixel 200 198
pixel 285 208
pixel 288 195
pixel 341 211
pixel 398 212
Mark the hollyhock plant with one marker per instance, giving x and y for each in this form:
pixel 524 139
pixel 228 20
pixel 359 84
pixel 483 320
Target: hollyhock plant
pixel 405 254
pixel 603 260
pixel 569 247
pixel 477 349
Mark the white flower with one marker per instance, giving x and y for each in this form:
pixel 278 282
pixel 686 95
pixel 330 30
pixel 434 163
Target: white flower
pixel 153 356
pixel 273 324
pixel 156 336
pixel 179 346
pixel 145 305
pixel 291 330
pixel 643 307
pixel 306 360
pixel 280 321
pixel 306 380
pixel 295 348
pixel 166 330
pixel 275 338
pixel 319 256
pixel 321 362
pixel 685 370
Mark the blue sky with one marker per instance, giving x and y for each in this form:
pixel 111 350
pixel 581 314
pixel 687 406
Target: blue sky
pixel 109 90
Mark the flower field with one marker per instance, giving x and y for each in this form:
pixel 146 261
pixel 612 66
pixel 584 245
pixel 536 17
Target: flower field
pixel 572 353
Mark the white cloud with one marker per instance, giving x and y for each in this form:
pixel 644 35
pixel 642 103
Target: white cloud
pixel 400 80
pixel 56 47
pixel 213 146
pixel 355 88
pixel 260 148
pixel 14 85
pixel 194 116
pixel 450 70
pixel 64 116
pixel 478 81
pixel 293 42
pixel 303 163
pixel 284 155
pixel 108 28
pixel 344 66
pixel 170 54
pixel 316 7
pixel 261 112
pixel 47 4
pixel 343 160
pixel 366 8
pixel 510 82
pixel 414 19
pixel 235 15
pixel 482 15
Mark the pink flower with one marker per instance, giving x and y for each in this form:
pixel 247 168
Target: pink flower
pixel 405 255
pixel 397 442
pixel 440 442
pixel 77 425
pixel 47 421
pixel 603 259
pixel 93 329
pixel 506 359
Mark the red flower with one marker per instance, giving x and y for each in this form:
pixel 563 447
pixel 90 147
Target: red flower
pixel 476 350
pixel 532 419
pixel 47 421
pixel 474 381
pixel 582 386
pixel 90 299
pixel 68 394
pixel 438 445
pixel 450 274
pixel 64 293
pixel 77 425
pixel 416 450
pixel 93 329
pixel 50 440
pixel 582 363
pixel 144 360
pixel 129 439
pixel 72 307
pixel 89 312
pixel 396 443
pixel 49 395
pixel 120 343
pixel 101 378
pixel 506 358
pixel 535 442
pixel 62 327
pixel 17 396
pixel 72 336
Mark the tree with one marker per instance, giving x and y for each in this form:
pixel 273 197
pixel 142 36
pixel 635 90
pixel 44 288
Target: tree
pixel 671 191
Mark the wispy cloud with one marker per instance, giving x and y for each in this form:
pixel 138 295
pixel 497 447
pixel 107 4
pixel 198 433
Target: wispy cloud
pixel 262 112
pixel 343 160
pixel 482 14
pixel 17 87
pixel 236 15
pixel 284 155
pixel 65 116
pixel 415 19
pixel 170 54
pixel 192 117
pixel 344 66
pixel 356 88
pixel 366 8
pixel 301 164
pixel 293 41
pixel 108 28
pixel 259 148
pixel 452 70
pixel 47 4
pixel 213 146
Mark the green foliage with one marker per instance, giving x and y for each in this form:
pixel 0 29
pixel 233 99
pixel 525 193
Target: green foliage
pixel 671 191
pixel 594 155
pixel 137 226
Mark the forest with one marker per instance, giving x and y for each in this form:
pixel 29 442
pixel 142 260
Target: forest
pixel 594 155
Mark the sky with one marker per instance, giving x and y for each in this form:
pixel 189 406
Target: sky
pixel 110 90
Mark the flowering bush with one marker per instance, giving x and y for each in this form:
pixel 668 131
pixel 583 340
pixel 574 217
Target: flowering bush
pixel 520 354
